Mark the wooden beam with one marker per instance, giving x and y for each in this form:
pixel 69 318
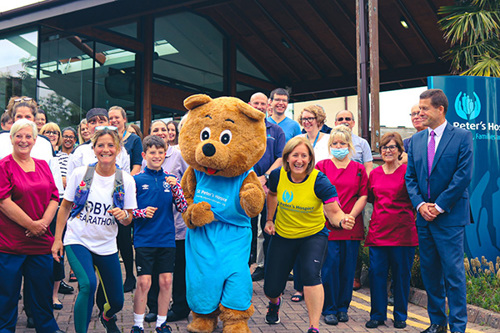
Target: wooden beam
pixel 255 82
pixel 331 28
pixel 397 44
pixel 362 69
pixel 148 25
pixel 416 28
pixel 243 19
pixel 169 97
pixel 110 37
pixel 299 49
pixel 229 61
pixel 319 43
pixel 373 12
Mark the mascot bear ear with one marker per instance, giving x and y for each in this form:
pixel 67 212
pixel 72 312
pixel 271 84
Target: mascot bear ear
pixel 250 111
pixel 196 100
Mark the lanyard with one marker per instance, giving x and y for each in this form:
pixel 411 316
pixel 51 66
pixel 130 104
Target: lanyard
pixel 124 133
pixel 316 140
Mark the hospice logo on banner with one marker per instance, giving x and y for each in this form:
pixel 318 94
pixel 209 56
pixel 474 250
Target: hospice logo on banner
pixel 474 105
pixel 466 107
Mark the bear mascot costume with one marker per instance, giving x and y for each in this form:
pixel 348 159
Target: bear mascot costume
pixel 221 140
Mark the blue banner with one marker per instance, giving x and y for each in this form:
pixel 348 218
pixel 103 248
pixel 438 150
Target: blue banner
pixel 474 104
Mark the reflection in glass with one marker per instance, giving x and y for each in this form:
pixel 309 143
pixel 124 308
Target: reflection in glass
pixel 188 55
pixel 18 65
pixel 65 86
pixel 115 80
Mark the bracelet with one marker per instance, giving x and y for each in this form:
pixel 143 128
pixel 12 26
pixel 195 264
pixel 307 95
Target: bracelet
pixel 340 224
pixel 269 220
pixel 127 215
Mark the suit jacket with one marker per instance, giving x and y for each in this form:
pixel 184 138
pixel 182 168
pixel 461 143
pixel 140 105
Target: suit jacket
pixel 450 176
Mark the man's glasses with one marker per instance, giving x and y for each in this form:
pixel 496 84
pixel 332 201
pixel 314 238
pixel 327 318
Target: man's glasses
pixel 69 137
pixel 111 128
pixel 309 119
pixel 391 147
pixel 51 133
pixel 344 118
pixel 280 100
pixel 415 114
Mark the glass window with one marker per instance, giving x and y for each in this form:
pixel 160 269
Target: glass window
pixel 245 66
pixel 115 80
pixel 65 86
pixel 188 52
pixel 18 61
pixel 129 29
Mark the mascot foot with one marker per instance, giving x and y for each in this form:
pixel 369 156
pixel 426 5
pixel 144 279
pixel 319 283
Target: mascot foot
pixel 235 321
pixel 203 323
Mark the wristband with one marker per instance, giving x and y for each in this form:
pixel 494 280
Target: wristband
pixel 269 220
pixel 340 224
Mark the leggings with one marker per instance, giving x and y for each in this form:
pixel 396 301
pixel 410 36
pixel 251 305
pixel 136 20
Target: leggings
pixel 124 242
pixel 309 251
pixel 108 270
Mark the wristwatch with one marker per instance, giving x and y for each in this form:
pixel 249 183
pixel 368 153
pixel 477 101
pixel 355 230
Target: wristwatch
pixel 266 175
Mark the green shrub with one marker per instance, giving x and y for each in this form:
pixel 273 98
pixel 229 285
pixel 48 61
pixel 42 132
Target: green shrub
pixel 483 283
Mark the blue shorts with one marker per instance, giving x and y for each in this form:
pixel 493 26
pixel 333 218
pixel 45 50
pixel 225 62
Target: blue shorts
pixel 217 271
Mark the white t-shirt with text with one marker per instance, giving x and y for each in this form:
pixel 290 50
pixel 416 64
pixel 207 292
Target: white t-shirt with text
pixel 95 228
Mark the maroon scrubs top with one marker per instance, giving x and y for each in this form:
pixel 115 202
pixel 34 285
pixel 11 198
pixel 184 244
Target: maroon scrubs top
pixel 32 191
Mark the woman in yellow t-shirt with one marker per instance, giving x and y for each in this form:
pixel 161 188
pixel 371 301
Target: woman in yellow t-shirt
pixel 302 196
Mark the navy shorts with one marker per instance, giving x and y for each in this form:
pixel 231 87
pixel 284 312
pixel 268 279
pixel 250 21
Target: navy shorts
pixel 161 258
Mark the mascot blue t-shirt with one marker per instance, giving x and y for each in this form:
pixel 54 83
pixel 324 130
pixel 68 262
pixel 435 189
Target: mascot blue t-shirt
pixel 223 194
pixel 217 248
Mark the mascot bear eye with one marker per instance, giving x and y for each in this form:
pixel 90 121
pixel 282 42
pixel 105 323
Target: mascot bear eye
pixel 225 137
pixel 205 134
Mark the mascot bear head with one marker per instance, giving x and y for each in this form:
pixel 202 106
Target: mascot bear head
pixel 223 136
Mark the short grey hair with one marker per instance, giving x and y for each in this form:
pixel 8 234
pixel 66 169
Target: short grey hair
pixel 23 123
pixel 337 114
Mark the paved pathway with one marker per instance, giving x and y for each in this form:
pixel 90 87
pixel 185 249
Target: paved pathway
pixel 293 317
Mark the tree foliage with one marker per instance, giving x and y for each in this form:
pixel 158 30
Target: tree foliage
pixel 473 28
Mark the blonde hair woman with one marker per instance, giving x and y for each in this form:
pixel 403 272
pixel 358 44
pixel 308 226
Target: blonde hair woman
pixel 351 181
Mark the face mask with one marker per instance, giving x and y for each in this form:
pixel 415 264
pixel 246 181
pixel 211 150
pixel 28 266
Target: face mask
pixel 339 153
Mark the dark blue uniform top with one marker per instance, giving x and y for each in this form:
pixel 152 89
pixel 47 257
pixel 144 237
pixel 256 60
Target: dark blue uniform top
pixel 275 143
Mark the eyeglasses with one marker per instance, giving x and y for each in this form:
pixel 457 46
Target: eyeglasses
pixel 69 137
pixel 51 133
pixel 23 99
pixel 309 119
pixel 391 147
pixel 344 118
pixel 415 114
pixel 111 128
pixel 280 100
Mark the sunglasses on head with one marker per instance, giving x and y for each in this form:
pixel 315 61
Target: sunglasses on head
pixel 23 99
pixel 344 118
pixel 111 128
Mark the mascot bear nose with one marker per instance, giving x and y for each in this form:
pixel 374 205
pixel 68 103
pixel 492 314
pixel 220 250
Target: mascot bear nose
pixel 208 149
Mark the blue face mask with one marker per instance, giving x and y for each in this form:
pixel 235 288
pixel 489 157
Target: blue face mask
pixel 339 153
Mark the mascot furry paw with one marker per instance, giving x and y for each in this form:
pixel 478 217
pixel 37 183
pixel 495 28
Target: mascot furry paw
pixel 221 140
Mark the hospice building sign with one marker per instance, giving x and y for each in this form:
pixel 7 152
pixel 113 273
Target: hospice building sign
pixel 474 104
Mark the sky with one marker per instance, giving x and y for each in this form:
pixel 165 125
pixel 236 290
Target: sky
pixel 395 106
pixel 6 5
